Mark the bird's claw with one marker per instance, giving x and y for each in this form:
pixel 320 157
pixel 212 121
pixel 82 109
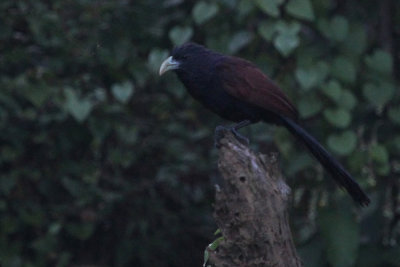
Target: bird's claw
pixel 244 140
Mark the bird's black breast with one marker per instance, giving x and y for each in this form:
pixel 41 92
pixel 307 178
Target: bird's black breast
pixel 208 90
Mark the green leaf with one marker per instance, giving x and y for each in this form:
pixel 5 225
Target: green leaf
pixel 81 231
pixel 79 108
pixel 301 9
pixel 344 70
pixel 344 143
pixel 270 7
pixel 307 78
pixel 206 257
pixel 239 40
pixel 340 118
pixel 122 92
pixel 336 29
pixel 339 27
pixel 378 153
pixel 299 162
pixel 356 42
pixel 380 156
pixel 357 161
pixel 44 244
pixel 128 134
pixel 347 100
pixel 244 8
pixel 322 68
pixel 292 28
pixel 311 76
pixel 287 39
pixel 324 27
pixel 180 35
pixel 54 228
pixel 394 114
pixel 342 97
pixel 37 95
pixel 220 42
pixel 378 96
pixel 284 145
pixel 309 106
pixel 214 245
pixel 73 186
pixel 380 61
pixel 340 233
pixel 204 11
pixel 333 90
pixel 266 30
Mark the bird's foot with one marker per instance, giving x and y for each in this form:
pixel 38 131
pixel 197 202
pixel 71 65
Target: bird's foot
pixel 220 132
pixel 242 139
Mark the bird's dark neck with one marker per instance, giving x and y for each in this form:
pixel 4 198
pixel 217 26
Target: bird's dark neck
pixel 198 76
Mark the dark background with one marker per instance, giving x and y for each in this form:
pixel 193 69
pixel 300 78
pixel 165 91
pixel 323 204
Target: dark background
pixel 104 163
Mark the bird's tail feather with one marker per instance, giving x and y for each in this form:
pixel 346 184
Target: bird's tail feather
pixel 339 174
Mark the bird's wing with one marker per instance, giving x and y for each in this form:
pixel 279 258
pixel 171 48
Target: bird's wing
pixel 245 81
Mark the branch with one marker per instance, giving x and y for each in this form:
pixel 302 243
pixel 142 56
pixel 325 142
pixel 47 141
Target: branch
pixel 251 209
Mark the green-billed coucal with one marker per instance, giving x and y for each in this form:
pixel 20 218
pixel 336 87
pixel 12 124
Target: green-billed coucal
pixel 237 90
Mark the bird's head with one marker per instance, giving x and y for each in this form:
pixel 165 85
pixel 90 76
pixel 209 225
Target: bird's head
pixel 185 57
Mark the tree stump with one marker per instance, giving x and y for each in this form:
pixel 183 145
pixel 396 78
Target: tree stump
pixel 251 209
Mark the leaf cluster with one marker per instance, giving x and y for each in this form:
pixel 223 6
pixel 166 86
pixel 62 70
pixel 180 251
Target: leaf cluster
pixel 104 163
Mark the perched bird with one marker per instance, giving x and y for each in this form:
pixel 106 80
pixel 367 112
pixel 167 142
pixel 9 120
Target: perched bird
pixel 237 90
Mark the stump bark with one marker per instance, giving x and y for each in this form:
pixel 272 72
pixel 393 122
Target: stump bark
pixel 251 209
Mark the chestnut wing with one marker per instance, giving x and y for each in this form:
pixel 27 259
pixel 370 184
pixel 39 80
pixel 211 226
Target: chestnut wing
pixel 245 81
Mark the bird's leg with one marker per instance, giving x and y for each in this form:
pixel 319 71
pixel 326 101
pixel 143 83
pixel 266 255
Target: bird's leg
pixel 219 132
pixel 241 125
pixel 238 136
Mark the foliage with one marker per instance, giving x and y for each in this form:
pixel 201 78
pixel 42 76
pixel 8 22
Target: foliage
pixel 104 163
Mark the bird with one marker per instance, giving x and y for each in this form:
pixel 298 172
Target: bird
pixel 237 90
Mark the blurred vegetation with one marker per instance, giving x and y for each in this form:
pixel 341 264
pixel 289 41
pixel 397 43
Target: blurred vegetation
pixel 103 163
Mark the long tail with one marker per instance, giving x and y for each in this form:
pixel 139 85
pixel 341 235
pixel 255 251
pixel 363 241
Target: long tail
pixel 339 174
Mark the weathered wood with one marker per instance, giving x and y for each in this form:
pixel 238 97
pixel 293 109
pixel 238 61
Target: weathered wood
pixel 251 209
